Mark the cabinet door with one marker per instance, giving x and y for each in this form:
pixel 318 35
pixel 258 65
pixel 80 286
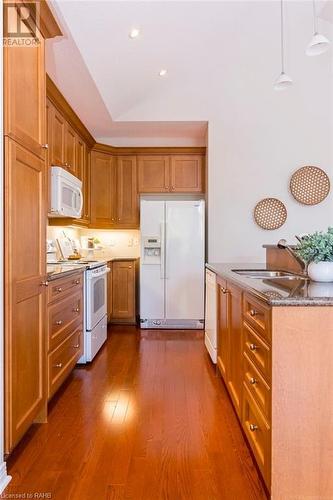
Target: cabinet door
pixel 154 174
pixel 222 328
pixel 123 291
pixel 109 292
pixel 24 96
pixel 102 186
pixel 25 338
pixel 70 149
pixel 57 143
pixel 234 370
pixel 187 174
pixel 127 193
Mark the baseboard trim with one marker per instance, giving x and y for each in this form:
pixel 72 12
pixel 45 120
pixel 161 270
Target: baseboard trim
pixel 4 477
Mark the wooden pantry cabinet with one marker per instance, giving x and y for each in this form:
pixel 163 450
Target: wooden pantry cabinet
pixel 24 96
pixel 25 214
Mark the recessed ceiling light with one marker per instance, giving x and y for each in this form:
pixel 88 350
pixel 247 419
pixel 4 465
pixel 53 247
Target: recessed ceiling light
pixel 163 72
pixel 134 33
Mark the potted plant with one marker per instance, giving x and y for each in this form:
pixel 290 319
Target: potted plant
pixel 316 250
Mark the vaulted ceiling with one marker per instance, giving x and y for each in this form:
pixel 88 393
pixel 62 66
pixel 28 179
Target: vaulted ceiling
pixel 208 48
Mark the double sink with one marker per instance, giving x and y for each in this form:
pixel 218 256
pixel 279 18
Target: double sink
pixel 266 273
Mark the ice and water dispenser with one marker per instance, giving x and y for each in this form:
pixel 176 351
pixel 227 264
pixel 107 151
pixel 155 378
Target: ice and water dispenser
pixel 152 250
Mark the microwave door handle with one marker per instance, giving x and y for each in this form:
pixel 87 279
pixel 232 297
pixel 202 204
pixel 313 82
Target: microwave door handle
pixel 79 192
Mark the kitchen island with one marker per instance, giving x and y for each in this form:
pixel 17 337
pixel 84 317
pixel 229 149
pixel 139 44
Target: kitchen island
pixel 275 350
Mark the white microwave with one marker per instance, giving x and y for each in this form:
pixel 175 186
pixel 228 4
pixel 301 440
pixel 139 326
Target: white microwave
pixel 66 194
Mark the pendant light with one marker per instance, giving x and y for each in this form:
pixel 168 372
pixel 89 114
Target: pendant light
pixel 319 43
pixel 283 81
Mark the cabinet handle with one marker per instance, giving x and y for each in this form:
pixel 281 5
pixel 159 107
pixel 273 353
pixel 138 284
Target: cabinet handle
pixel 44 283
pixel 253 312
pixel 253 347
pixel 58 365
pixel 253 427
pixel 76 310
pixel 45 146
pixel 224 290
pixel 59 289
pixel 76 346
pixel 59 322
pixel 76 282
pixel 253 381
pixel 129 267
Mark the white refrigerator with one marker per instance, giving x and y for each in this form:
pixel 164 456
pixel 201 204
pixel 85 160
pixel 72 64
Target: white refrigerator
pixel 172 264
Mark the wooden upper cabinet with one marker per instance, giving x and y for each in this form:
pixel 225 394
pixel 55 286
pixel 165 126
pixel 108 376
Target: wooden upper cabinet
pixel 153 174
pixel 57 137
pixel 127 193
pixel 24 96
pixel 70 150
pixel 25 223
pixel 235 367
pixel 103 190
pixel 187 173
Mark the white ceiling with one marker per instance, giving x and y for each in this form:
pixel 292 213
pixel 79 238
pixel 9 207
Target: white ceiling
pixel 208 48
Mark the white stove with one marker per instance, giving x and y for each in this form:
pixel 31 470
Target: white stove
pixel 95 305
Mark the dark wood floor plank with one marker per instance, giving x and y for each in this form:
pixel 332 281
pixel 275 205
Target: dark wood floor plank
pixel 148 420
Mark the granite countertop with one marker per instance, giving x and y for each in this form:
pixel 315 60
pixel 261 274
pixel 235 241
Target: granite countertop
pixel 277 292
pixel 55 271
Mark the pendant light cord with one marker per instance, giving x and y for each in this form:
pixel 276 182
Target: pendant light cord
pixel 315 27
pixel 282 38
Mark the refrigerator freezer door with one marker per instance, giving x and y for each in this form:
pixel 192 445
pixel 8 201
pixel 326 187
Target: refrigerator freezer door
pixel 184 259
pixel 152 214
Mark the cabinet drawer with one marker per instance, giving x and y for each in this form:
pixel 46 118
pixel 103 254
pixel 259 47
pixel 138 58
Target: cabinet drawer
pixel 62 360
pixel 258 315
pixel 257 386
pixel 258 352
pixel 258 433
pixel 63 286
pixel 63 318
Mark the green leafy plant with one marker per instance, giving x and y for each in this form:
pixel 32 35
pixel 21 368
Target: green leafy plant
pixel 316 247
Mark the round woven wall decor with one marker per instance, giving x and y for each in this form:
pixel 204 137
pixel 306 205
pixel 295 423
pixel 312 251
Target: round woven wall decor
pixel 270 213
pixel 309 185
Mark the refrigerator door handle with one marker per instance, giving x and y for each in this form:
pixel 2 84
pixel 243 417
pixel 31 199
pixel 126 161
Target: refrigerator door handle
pixel 162 268
pixel 165 250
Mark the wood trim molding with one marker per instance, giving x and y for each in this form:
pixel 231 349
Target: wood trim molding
pixel 64 107
pixel 48 24
pixel 54 94
pixel 105 148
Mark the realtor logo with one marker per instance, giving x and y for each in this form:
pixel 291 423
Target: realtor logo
pixel 20 24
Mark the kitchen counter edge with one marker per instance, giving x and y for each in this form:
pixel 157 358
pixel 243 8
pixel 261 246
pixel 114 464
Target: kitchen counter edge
pixel 253 285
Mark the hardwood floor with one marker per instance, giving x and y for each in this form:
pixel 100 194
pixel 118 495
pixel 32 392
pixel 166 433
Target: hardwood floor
pixel 148 420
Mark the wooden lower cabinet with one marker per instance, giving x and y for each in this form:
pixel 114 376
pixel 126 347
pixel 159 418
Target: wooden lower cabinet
pixel 234 371
pixel 244 361
pixel 65 328
pixel 223 327
pixel 25 325
pixel 123 287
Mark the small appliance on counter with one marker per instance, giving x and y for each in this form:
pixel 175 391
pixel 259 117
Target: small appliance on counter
pixel 66 194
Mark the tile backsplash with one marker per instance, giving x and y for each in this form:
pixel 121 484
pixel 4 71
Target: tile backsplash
pixel 113 243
